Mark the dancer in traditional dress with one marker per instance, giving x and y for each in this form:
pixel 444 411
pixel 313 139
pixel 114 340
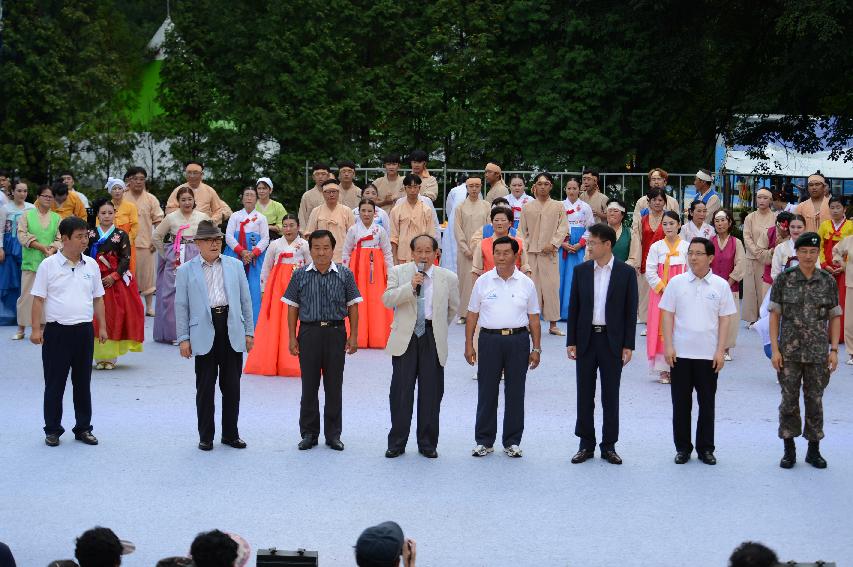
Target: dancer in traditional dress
pixel 616 212
pixel 471 215
pixel 517 197
pixel 448 238
pixel 579 217
pixel 755 224
pixel 331 215
pixel 173 239
pixel 111 247
pixel 696 225
pixel 767 242
pixel 666 258
pixel 247 237
pixel 483 254
pixel 367 253
pixel 381 217
pixel 11 254
pixel 38 233
pixel 206 198
pixel 149 215
pixel 390 185
pixel 832 231
pixel 842 254
pixel 126 215
pixel 271 355
pixel 273 210
pixel 785 254
pixel 816 209
pixel 645 231
pixel 729 263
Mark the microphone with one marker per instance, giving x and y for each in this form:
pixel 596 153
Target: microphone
pixel 421 268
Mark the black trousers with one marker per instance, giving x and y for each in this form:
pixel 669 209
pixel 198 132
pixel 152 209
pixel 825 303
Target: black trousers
pixel 418 364
pixel 687 375
pixel 226 363
pixel 510 355
pixel 67 347
pixel 598 358
pixel 321 354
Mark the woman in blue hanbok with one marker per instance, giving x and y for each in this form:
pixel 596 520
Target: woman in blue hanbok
pixel 10 254
pixel 247 237
pixel 579 218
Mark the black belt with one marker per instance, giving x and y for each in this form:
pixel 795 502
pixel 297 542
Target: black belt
pixel 599 328
pixel 504 331
pixel 337 323
pixel 222 309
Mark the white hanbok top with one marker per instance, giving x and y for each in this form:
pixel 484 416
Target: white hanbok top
pixel 257 223
pixel 378 238
pixel 690 231
pixel 781 255
pixel 580 214
pixel 283 252
pixel 517 204
pixel 657 256
pixel 381 218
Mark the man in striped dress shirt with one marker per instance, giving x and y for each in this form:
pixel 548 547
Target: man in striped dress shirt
pixel 320 296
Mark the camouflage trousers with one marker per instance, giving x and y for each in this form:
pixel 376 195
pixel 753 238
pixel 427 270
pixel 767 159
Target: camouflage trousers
pixel 814 378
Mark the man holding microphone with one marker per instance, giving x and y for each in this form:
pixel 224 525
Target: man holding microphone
pixel 424 298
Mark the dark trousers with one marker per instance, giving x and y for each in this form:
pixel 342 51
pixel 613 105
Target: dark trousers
pixel 321 353
pixel 687 375
pixel 598 358
pixel 418 364
pixel 510 355
pixel 226 363
pixel 67 347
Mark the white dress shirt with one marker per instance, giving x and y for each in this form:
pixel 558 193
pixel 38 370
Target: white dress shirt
pixel 697 303
pixel 215 280
pixel 68 290
pixel 426 290
pixel 504 303
pixel 601 277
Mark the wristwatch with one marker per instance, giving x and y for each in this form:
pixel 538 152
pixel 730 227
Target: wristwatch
pixel 537 350
pixel 833 349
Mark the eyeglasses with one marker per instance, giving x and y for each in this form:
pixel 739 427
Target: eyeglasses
pixel 330 191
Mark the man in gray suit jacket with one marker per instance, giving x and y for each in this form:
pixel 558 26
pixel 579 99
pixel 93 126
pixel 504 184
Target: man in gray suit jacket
pixel 213 320
pixel 424 298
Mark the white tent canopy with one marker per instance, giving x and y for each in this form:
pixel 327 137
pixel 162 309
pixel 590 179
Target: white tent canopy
pixel 787 162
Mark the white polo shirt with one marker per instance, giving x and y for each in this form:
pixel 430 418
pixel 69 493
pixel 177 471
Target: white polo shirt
pixel 698 303
pixel 68 290
pixel 504 304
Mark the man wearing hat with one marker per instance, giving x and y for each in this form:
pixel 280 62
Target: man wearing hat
pixel 101 547
pixel 383 546
pixel 804 298
pixel 213 319
pixel 706 193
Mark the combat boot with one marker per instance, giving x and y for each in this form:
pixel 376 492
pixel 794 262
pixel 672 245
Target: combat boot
pixel 813 456
pixel 790 457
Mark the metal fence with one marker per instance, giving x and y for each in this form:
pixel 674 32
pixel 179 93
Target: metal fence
pixel 627 186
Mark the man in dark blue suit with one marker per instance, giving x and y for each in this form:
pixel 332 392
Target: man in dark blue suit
pixel 600 337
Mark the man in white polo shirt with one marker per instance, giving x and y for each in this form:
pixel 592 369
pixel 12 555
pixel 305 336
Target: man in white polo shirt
pixel 695 307
pixel 505 304
pixel 69 290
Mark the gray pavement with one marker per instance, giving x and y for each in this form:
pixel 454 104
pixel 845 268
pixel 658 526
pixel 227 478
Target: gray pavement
pixel 150 484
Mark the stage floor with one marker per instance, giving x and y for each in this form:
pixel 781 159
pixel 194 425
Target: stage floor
pixel 150 484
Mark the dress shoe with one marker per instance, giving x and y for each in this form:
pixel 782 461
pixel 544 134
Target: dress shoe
pixel 86 437
pixel 708 458
pixel 583 455
pixel 205 445
pixel 308 442
pixel 335 444
pixel 612 457
pixel 394 453
pixel 682 457
pixel 236 443
pixel 428 453
pixel 51 440
pixel 789 459
pixel 813 456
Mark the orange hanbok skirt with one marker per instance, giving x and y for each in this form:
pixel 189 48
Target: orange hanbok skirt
pixel 371 277
pixel 271 354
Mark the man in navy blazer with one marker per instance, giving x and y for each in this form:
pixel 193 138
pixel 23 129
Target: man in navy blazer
pixel 214 321
pixel 600 337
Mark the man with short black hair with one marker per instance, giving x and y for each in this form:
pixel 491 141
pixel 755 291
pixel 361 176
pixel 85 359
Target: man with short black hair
pixel 67 203
pixel 592 195
pixel 600 334
pixel 385 545
pixel 350 192
pixel 313 197
pixel 213 549
pixel 319 297
pixel 753 554
pixel 410 217
pixel 390 185
pixel 68 289
pixel 101 547
pixel 68 178
pixel 695 309
pixel 429 184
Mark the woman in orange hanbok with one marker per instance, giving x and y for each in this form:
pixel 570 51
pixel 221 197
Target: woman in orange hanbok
pixel 832 231
pixel 367 252
pixel 271 356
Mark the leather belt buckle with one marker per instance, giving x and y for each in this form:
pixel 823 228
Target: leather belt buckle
pixel 219 310
pixel 505 332
pixel 324 323
pixel 598 328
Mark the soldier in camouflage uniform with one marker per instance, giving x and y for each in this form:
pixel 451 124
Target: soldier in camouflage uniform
pixel 804 298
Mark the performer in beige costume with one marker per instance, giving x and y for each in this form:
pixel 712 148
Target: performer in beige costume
pixel 543 228
pixel 150 214
pixel 592 195
pixel 350 192
pixel 754 287
pixel 497 187
pixel 429 184
pixel 313 198
pixel 657 178
pixel 469 216
pixel 332 216
pixel 410 217
pixel 390 185
pixel 207 201
pixel 816 209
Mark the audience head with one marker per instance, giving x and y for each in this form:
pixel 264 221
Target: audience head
pixel 100 547
pixel 213 549
pixel 175 562
pixel 753 554
pixel 63 563
pixel 380 546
